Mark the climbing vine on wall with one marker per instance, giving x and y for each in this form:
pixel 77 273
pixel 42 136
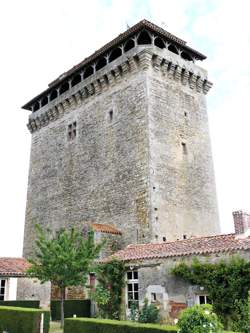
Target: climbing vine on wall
pixel 108 293
pixel 227 283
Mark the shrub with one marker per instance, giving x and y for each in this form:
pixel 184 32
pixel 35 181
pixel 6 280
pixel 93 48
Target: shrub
pixel 23 320
pixel 84 325
pixel 81 308
pixel 149 313
pixel 21 304
pixel 199 319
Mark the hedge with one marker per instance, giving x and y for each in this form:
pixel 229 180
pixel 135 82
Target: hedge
pixel 81 308
pixel 21 304
pixel 23 320
pixel 85 325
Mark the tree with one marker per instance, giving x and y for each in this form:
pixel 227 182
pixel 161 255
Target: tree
pixel 64 259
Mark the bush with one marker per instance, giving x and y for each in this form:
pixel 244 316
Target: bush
pixel 149 313
pixel 23 320
pixel 81 308
pixel 199 319
pixel 83 325
pixel 21 304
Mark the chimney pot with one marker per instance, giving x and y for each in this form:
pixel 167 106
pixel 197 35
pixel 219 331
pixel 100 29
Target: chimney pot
pixel 241 222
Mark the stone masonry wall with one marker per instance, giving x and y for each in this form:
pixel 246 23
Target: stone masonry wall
pixel 171 292
pixel 101 175
pixel 183 193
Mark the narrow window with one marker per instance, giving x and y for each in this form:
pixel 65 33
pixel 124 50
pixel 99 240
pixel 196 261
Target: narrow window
pixel 2 289
pixel 111 114
pixel 153 297
pixel 72 131
pixel 184 236
pixel 132 288
pixel 164 239
pixel 184 148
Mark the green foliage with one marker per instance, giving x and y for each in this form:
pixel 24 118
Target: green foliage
pixel 108 294
pixel 149 313
pixel 65 258
pixel 134 311
pixel 83 325
pixel 81 308
pixel 199 319
pixel 21 304
pixel 227 283
pixel 22 320
pixel 241 319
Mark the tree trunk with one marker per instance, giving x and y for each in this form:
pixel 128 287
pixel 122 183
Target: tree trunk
pixel 62 305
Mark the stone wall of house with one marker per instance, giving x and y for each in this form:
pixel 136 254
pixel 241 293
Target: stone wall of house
pixel 172 294
pixel 32 289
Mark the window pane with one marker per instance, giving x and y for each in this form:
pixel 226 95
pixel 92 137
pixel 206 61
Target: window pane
pixel 135 275
pixel 130 295
pixel 2 283
pixel 202 299
pixel 1 298
pixel 130 287
pixel 136 295
pixel 2 291
pixel 135 286
pixel 129 275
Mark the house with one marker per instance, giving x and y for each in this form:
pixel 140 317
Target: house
pixel 150 265
pixel 10 270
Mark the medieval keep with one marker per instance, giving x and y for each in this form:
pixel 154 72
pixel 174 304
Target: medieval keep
pixel 121 142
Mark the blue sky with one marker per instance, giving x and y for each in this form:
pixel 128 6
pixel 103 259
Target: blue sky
pixel 42 39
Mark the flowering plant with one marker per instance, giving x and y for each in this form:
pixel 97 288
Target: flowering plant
pixel 199 319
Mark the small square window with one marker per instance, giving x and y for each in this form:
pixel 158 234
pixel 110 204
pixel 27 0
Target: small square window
pixel 72 131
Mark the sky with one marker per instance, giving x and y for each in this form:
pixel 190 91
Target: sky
pixel 41 39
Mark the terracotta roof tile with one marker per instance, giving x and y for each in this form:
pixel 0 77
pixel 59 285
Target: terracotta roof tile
pixel 105 228
pixel 192 246
pixel 13 266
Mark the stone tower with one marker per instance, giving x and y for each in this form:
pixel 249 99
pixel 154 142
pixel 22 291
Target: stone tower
pixel 122 139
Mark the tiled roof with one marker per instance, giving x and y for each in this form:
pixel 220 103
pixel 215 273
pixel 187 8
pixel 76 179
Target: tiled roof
pixel 13 266
pixel 106 228
pixel 143 24
pixel 192 246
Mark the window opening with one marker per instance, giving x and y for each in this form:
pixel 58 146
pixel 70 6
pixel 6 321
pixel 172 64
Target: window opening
pixel 36 106
pixel 132 288
pixel 144 38
pixel 72 131
pixel 203 299
pixel 101 63
pixel 164 239
pixel 89 71
pixel 76 80
pixel 44 101
pixel 129 45
pixel 64 88
pixel 184 148
pixel 153 297
pixel 159 43
pixel 111 113
pixel 173 48
pixel 53 95
pixel 2 289
pixel 116 53
pixel 184 236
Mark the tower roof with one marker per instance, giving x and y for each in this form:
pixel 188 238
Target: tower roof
pixel 122 38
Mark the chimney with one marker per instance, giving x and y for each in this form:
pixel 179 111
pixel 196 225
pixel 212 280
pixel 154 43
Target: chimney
pixel 241 223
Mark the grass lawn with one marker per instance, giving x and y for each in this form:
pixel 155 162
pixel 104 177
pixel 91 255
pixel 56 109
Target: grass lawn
pixel 55 327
